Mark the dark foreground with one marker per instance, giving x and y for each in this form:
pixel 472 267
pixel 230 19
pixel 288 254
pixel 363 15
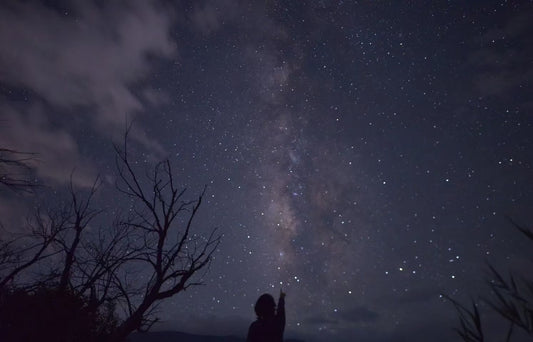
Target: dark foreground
pixel 173 336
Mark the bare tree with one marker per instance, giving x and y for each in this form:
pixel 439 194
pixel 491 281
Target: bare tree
pixel 470 328
pixel 155 241
pixel 15 170
pixel 80 215
pixel 14 174
pixel 25 250
pixel 166 249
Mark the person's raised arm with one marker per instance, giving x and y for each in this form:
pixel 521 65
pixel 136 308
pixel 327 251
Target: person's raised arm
pixel 280 314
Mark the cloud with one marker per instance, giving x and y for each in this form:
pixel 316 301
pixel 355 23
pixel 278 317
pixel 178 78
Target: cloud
pixel 210 16
pixel 89 59
pixel 56 152
pixel 206 18
pixel 501 66
pixel 83 62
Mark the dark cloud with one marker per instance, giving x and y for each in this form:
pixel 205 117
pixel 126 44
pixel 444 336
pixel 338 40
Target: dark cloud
pixel 319 320
pixel 359 314
pixel 415 296
pixel 208 325
pixel 357 321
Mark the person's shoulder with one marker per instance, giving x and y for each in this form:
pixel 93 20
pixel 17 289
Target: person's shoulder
pixel 252 332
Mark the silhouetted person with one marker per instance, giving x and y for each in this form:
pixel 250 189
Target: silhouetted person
pixel 270 322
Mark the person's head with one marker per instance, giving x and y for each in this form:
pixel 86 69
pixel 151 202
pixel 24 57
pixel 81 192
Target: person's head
pixel 265 306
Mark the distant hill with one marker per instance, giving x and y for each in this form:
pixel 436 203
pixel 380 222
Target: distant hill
pixel 176 336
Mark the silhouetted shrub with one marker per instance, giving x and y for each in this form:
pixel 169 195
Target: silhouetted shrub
pixel 51 315
pixel 510 297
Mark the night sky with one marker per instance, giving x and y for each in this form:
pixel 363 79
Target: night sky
pixel 361 155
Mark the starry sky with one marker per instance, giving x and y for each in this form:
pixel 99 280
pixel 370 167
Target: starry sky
pixel 361 155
